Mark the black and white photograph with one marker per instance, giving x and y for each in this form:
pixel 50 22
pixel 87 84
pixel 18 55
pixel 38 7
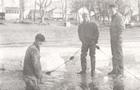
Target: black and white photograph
pixel 69 44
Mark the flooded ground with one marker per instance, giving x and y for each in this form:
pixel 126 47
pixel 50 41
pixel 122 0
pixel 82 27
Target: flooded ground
pixel 61 44
pixel 66 77
pixel 71 81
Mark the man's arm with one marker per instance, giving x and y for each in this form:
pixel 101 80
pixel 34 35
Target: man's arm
pixel 79 33
pixel 36 63
pixel 96 33
pixel 120 23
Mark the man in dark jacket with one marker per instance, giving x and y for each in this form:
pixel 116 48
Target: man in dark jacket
pixel 32 67
pixel 88 35
pixel 117 25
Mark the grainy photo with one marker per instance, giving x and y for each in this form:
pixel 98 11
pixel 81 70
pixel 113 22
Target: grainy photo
pixel 69 44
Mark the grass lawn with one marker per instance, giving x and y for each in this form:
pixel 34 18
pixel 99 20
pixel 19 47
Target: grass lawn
pixel 22 34
pixel 56 35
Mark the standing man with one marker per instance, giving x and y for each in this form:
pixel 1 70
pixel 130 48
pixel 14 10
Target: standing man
pixel 32 66
pixel 88 35
pixel 117 25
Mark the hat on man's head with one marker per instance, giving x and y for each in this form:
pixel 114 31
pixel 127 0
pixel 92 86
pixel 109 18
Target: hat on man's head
pixel 40 37
pixel 113 6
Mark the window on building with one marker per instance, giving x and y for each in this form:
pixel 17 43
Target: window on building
pixel 12 11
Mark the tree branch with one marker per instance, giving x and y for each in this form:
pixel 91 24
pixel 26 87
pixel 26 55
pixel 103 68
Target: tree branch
pixel 47 5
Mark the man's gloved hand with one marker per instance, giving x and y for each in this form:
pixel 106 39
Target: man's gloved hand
pixel 97 47
pixel 40 81
pixel 71 58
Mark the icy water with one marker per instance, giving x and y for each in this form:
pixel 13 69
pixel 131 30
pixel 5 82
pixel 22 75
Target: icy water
pixel 63 81
pixel 12 80
pixel 70 80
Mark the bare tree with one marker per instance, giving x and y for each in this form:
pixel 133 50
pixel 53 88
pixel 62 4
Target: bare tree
pixel 139 9
pixel 76 5
pixel 63 9
pixel 21 16
pixel 43 5
pixel 2 5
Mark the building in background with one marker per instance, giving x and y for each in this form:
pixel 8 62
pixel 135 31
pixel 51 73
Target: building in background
pixel 12 8
pixel 12 13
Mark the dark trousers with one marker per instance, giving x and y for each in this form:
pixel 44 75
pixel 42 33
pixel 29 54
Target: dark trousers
pixel 117 56
pixel 31 83
pixel 91 46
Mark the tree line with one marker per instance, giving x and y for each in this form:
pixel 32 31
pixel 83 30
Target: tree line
pixel 99 7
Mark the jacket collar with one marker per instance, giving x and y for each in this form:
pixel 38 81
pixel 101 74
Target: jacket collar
pixel 113 16
pixel 36 45
pixel 86 22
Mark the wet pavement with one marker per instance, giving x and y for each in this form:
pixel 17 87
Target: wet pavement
pixel 101 81
pixel 11 56
pixel 66 77
pixel 70 80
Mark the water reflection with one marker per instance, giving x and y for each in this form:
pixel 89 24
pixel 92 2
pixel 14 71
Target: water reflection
pixel 118 84
pixel 92 86
pixel 85 85
pixel 72 81
pixel 84 82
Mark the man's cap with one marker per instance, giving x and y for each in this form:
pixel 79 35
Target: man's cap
pixel 85 14
pixel 40 37
pixel 113 6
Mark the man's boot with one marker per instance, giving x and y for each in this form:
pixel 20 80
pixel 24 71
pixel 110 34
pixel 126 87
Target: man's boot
pixel 82 72
pixel 114 65
pixel 112 72
pixel 92 67
pixel 84 66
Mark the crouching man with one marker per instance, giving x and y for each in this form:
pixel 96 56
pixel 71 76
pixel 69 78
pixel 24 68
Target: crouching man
pixel 32 66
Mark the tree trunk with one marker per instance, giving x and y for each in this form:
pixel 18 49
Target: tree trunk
pixel 63 11
pixel 139 9
pixel 21 16
pixel 43 17
pixel 66 17
pixel 34 10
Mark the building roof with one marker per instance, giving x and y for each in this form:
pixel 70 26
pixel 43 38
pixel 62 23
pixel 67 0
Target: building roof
pixel 12 8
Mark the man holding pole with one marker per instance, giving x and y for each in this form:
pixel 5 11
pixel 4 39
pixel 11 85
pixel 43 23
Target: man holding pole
pixel 32 66
pixel 88 35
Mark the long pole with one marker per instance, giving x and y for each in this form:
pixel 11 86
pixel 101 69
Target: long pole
pixel 70 59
